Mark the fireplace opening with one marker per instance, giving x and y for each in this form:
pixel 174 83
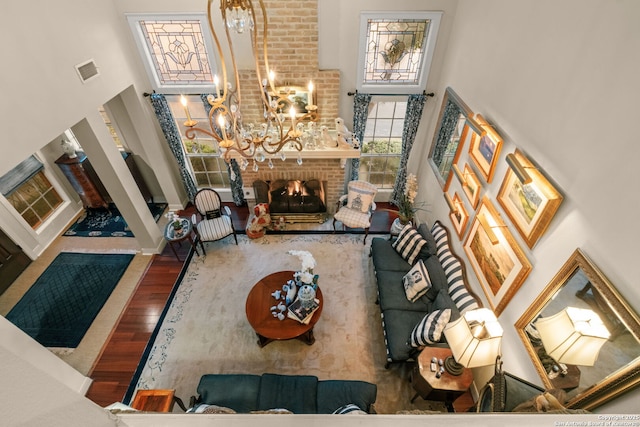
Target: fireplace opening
pixel 296 200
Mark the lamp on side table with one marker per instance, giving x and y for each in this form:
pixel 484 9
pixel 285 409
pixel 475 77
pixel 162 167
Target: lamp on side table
pixel 474 340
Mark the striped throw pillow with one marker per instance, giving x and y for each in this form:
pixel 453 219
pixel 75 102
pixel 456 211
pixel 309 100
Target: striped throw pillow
pixel 453 271
pixel 350 409
pixel 429 330
pixel 409 243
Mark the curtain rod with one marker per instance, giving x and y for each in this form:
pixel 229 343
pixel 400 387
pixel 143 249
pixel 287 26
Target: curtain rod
pixel 424 92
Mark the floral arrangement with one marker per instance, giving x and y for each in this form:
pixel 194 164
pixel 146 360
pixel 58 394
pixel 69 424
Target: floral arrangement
pixel 305 275
pixel 406 204
pixel 174 219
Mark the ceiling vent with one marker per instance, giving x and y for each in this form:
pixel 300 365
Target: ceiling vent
pixel 87 70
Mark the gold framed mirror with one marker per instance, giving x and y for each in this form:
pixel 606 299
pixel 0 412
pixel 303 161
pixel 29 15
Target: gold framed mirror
pixel 455 126
pixel 616 368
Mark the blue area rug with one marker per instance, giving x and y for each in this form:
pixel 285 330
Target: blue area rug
pixel 108 222
pixel 61 305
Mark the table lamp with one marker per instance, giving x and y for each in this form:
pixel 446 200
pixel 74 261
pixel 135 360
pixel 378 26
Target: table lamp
pixel 573 336
pixel 474 340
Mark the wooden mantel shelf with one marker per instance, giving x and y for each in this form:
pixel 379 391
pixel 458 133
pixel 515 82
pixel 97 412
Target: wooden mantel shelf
pixel 318 153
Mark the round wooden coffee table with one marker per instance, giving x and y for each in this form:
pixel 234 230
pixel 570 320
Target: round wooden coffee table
pixel 269 328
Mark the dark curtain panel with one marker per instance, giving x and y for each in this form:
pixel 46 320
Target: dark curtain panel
pixel 233 169
pixel 447 127
pixel 172 135
pixel 360 112
pixel 415 105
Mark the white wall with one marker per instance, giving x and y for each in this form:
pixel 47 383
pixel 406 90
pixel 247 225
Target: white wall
pixel 33 397
pixel 559 81
pixel 43 95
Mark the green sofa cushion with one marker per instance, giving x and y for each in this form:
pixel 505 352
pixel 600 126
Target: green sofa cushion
pixel 385 256
pixel 398 325
pixel 297 393
pixel 430 248
pixel 444 301
pixel 391 293
pixel 333 394
pixel 236 391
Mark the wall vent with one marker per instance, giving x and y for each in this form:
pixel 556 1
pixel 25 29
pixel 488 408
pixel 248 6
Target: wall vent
pixel 87 70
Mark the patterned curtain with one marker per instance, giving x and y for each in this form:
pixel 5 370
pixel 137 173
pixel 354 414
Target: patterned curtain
pixel 360 112
pixel 172 135
pixel 235 177
pixel 415 105
pixel 449 119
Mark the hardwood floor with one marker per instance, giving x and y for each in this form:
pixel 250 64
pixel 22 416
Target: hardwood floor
pixel 115 367
pixel 113 371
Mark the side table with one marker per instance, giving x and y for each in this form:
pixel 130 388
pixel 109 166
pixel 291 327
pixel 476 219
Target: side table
pixel 445 389
pixel 174 236
pixel 156 401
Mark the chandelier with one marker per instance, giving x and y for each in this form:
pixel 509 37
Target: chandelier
pixel 282 125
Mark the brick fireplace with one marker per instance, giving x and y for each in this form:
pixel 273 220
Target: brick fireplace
pixel 293 54
pixel 328 170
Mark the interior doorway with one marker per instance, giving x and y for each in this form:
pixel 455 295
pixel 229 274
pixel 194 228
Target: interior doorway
pixel 12 261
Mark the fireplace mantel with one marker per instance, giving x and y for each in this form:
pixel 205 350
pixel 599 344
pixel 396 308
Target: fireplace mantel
pixel 318 153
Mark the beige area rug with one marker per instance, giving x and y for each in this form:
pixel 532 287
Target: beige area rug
pixel 206 331
pixel 84 356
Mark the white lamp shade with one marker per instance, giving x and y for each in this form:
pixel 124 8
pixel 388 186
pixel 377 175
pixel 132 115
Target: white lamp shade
pixel 475 338
pixel 573 336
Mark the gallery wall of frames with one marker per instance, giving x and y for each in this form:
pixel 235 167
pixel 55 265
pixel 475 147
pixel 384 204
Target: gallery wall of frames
pixel 499 235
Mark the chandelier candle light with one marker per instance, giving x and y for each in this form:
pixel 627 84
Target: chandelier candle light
pixel 250 141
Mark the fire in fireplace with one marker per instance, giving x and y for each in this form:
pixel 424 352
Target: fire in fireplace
pixel 292 197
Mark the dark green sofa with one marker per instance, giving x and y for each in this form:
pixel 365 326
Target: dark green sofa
pixel 449 289
pixel 300 394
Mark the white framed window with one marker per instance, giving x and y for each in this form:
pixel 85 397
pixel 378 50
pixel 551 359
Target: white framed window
pixel 207 167
pixel 382 142
pixel 176 49
pixel 29 191
pixel 396 50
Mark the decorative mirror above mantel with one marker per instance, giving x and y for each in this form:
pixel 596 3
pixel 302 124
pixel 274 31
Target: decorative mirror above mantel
pixel 614 350
pixel 455 126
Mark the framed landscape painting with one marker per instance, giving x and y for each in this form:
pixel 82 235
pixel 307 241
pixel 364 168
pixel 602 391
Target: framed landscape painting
pixel 499 263
pixel 457 214
pixel 530 205
pixel 485 149
pixel 470 184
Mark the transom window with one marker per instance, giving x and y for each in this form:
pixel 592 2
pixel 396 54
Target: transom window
pixel 382 144
pixel 176 50
pixel 207 167
pixel 396 50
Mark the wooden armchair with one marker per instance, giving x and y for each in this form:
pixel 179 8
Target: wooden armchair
pixel 214 222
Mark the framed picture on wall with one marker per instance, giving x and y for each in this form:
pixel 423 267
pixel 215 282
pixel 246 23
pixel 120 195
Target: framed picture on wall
pixel 295 96
pixel 457 213
pixel 470 183
pixel 499 263
pixel 485 148
pixel 528 198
